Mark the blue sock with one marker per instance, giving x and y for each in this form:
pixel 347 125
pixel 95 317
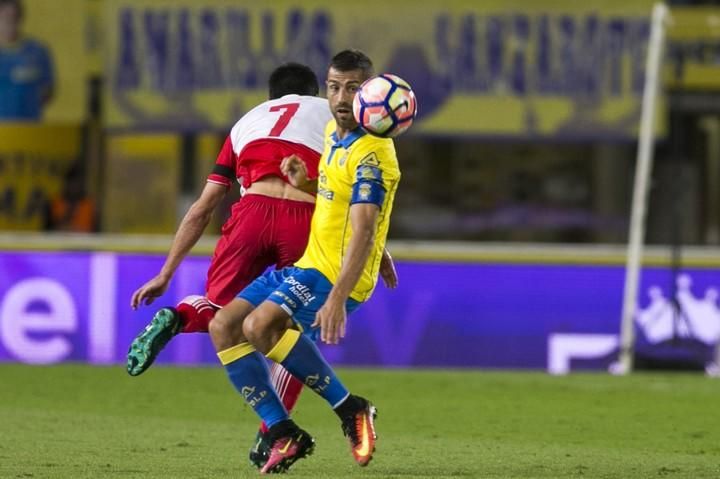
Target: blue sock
pixel 299 355
pixel 250 375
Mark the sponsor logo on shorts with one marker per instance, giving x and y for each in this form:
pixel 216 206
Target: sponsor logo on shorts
pixel 287 299
pixel 301 291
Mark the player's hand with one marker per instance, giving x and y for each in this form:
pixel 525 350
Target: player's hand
pixel 148 292
pixel 295 169
pixel 331 319
pixel 388 271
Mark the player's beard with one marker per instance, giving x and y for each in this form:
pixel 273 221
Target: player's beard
pixel 345 118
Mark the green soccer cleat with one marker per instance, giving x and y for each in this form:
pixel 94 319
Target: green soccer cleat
pixel 148 344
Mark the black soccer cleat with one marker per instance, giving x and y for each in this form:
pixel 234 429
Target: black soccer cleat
pixel 260 451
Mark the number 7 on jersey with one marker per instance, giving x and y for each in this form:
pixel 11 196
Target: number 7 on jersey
pixel 288 111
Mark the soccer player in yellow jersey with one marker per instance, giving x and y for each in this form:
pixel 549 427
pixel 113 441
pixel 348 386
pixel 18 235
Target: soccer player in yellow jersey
pixel 281 313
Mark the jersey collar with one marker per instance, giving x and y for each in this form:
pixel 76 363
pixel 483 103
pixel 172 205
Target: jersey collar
pixel 351 137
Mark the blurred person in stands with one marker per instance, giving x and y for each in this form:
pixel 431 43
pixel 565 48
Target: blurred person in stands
pixel 72 209
pixel 26 70
pixel 269 225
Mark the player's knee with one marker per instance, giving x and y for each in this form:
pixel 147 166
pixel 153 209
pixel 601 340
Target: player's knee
pixel 253 328
pixel 263 330
pixel 219 327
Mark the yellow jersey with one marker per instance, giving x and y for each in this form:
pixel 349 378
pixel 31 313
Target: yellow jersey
pixel 360 168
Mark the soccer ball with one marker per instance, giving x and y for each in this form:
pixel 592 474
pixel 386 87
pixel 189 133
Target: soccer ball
pixel 385 105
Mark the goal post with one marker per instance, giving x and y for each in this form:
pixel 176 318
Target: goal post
pixel 643 171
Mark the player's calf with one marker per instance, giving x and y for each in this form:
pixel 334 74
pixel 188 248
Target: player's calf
pixel 196 313
pixel 226 328
pixel 289 389
pixel 264 326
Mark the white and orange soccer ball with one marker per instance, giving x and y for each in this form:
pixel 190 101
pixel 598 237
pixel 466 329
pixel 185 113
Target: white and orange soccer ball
pixel 385 105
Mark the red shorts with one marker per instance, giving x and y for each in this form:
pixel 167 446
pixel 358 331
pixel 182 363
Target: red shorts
pixel 261 232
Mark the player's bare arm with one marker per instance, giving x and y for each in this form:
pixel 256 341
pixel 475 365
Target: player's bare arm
pixel 296 170
pixel 388 271
pixel 332 316
pixel 189 232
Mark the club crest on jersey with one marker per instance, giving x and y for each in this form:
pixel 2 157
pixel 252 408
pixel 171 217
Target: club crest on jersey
pixel 364 191
pixel 343 158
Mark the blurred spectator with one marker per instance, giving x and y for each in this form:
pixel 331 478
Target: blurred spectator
pixel 72 209
pixel 26 71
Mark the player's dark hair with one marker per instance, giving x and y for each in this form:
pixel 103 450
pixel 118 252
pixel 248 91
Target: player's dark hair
pixel 349 60
pixel 293 78
pixel 15 3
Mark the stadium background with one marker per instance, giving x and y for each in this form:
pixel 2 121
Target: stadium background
pixel 510 226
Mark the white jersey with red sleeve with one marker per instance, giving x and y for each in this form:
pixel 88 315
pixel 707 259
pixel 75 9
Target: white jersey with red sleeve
pixel 273 130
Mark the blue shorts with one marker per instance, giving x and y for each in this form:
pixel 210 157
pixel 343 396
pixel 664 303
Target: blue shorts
pixel 300 292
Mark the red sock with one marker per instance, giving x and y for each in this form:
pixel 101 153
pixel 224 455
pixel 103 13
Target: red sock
pixel 287 386
pixel 196 312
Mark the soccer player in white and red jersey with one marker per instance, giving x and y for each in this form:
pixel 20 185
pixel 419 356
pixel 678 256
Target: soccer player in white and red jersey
pixel 268 226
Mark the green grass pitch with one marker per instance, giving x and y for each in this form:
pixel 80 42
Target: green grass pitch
pixel 76 421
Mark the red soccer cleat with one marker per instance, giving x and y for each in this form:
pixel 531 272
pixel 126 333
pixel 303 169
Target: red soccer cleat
pixel 289 443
